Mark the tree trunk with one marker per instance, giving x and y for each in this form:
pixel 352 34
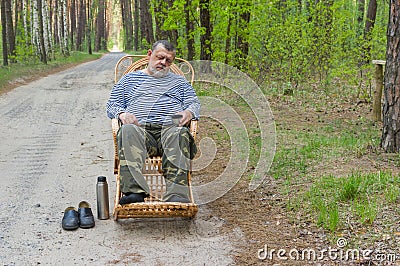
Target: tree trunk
pixel 10 27
pixel 89 26
pixel 228 39
pixel 47 34
pixel 65 25
pixel 55 20
pixel 126 9
pixel 205 22
pixel 242 44
pixel 25 7
pixel 146 22
pixel 136 26
pixel 205 38
pixel 99 27
pixel 161 13
pixel 43 52
pixel 390 140
pixel 4 32
pixel 369 25
pixel 72 15
pixel 360 15
pixel 189 32
pixel 81 25
pixel 107 18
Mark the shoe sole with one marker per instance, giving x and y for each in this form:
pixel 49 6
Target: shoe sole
pixel 86 226
pixel 70 228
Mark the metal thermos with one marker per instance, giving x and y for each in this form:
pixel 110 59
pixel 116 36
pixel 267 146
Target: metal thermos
pixel 103 211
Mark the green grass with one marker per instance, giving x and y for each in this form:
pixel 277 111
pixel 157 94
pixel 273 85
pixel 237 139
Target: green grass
pixel 303 148
pixel 332 199
pixel 31 69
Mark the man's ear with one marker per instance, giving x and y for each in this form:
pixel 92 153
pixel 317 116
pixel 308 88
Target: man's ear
pixel 149 52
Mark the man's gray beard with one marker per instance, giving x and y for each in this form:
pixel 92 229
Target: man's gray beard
pixel 159 73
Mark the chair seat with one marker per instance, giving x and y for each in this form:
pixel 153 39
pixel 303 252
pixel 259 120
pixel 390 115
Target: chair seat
pixel 155 210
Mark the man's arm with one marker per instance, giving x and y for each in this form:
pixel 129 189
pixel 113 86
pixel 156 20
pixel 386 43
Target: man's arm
pixel 191 103
pixel 116 102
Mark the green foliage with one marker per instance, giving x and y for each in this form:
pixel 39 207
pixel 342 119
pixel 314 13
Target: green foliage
pixel 289 43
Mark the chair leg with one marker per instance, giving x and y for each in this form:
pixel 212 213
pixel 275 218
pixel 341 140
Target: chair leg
pixel 117 197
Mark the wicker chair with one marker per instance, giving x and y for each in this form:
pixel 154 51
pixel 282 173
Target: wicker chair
pixel 153 207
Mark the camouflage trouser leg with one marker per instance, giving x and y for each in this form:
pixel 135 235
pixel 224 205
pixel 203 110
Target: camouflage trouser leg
pixel 175 144
pixel 132 152
pixel 178 149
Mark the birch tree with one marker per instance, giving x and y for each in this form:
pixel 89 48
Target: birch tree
pixel 63 27
pixel 40 32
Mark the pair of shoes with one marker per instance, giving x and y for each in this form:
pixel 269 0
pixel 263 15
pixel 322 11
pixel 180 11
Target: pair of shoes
pixel 176 198
pixel 82 218
pixel 132 198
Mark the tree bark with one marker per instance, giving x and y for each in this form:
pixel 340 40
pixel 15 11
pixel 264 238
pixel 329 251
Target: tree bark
pixel 189 32
pixel 72 15
pixel 88 26
pixel 43 52
pixel 205 22
pixel 47 33
pixel 205 38
pixel 390 140
pixel 4 32
pixel 81 25
pixel 146 22
pixel 126 9
pixel 10 27
pixel 100 25
pixel 369 25
pixel 136 26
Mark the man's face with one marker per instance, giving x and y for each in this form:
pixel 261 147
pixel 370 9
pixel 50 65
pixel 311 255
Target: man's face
pixel 159 61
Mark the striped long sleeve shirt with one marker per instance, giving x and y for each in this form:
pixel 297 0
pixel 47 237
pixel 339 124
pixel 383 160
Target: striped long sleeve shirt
pixel 151 99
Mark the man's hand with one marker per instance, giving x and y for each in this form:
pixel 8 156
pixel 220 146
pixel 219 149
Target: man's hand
pixel 128 118
pixel 186 117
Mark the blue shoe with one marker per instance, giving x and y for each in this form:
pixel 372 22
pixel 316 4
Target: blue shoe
pixel 70 220
pixel 86 219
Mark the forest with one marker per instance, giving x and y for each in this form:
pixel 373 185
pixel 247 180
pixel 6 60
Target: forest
pixel 293 42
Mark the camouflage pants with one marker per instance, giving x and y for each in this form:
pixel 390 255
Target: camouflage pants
pixel 175 145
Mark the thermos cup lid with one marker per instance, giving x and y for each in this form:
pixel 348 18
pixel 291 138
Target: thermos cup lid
pixel 101 179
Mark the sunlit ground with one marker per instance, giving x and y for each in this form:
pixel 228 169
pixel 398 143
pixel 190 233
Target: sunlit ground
pixel 115 49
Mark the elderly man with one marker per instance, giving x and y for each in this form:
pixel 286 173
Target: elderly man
pixel 144 102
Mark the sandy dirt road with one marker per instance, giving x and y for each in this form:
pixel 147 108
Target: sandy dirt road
pixel 55 141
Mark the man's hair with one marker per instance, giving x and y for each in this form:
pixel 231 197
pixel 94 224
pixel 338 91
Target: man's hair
pixel 166 44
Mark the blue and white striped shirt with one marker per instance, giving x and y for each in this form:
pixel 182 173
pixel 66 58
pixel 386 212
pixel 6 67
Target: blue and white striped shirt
pixel 151 99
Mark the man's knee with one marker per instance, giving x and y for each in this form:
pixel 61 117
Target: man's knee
pixel 127 132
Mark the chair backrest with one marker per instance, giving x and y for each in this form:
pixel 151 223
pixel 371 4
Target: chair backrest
pixel 131 63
